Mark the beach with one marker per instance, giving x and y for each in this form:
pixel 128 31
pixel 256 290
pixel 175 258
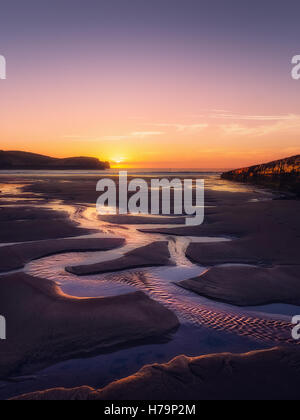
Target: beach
pixel 149 203
pixel 92 300
pixel 271 375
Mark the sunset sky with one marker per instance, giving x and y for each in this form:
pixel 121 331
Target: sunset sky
pixel 151 83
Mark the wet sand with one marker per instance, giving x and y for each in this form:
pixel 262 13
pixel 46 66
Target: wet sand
pixel 264 375
pixel 264 235
pixel 142 220
pixel 253 227
pixel 154 255
pixel 20 224
pixel 248 286
pixel 46 326
pixel 14 257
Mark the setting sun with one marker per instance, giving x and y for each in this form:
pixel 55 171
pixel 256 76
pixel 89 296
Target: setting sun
pixel 118 162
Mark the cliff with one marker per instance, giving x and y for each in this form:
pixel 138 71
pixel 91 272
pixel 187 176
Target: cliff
pixel 30 161
pixel 282 174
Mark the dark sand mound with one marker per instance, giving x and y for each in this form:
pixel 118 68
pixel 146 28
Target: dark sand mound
pixel 143 220
pixel 80 190
pixel 20 224
pixel 265 232
pixel 14 257
pixel 45 326
pixel 235 285
pixel 264 375
pixel 153 255
pixel 245 219
pixel 269 240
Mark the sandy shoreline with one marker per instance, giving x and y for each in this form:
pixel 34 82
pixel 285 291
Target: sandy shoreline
pixel 262 375
pixel 47 326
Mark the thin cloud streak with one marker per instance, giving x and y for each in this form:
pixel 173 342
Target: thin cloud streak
pixel 261 130
pixel 232 116
pixel 135 134
pixel 184 127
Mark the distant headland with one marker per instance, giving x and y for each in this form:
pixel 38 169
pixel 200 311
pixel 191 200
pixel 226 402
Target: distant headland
pixel 31 161
pixel 283 174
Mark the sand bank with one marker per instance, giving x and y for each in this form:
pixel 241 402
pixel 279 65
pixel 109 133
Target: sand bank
pixel 235 285
pixel 143 220
pixel 265 235
pixel 263 375
pixel 45 326
pixel 20 224
pixel 14 257
pixel 154 255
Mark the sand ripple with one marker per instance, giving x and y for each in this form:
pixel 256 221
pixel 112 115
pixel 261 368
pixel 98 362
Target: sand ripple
pixel 158 283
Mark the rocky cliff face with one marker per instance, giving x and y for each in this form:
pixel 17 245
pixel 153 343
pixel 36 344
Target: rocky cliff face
pixel 30 161
pixel 282 174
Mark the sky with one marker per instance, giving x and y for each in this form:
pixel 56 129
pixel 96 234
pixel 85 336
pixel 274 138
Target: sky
pixel 151 83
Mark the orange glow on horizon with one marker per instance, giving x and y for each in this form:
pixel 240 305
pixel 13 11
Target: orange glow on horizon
pixel 150 101
pixel 162 124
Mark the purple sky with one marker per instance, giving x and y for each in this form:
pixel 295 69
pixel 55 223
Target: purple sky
pixel 94 74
